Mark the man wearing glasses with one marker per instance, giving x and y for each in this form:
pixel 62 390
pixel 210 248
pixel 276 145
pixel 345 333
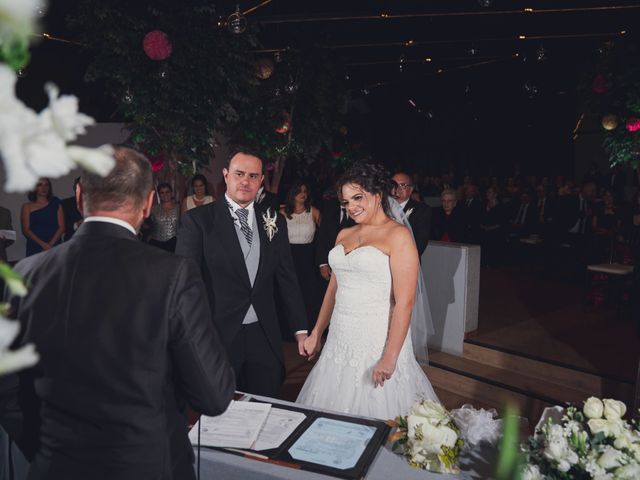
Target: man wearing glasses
pixel 418 213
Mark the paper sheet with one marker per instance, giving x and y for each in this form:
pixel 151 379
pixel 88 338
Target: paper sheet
pixel 237 427
pixel 279 425
pixel 332 443
pixel 8 234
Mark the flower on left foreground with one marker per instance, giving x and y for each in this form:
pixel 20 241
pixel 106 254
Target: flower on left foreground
pixel 35 145
pixel 13 360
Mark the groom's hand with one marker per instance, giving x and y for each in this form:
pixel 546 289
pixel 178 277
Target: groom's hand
pixel 300 338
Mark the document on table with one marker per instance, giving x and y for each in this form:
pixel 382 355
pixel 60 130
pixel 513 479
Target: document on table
pixel 8 234
pixel 279 425
pixel 332 443
pixel 237 427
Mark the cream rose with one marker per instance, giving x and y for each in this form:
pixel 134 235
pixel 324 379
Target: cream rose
pixel 610 458
pixel 628 472
pixel 593 408
pixel 614 409
pixel 610 428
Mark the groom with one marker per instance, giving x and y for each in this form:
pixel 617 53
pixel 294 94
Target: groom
pixel 243 252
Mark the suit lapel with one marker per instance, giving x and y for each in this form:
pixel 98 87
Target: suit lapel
pixel 263 240
pixel 229 239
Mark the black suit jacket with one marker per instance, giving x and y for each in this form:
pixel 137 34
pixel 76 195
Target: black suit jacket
pixel 568 213
pixel 454 225
pixel 268 200
pixel 71 216
pixel 420 221
pixel 125 337
pixel 207 234
pixel 328 231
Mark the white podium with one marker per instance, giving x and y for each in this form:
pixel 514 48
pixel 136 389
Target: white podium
pixel 452 277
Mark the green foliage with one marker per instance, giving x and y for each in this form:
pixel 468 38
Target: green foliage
pixel 173 106
pixel 307 87
pixel 15 53
pixel 619 70
pixel 509 465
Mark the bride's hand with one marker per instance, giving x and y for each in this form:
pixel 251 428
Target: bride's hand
pixel 312 345
pixel 383 371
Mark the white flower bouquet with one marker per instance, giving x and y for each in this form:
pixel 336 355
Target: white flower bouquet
pixel 593 443
pixel 429 437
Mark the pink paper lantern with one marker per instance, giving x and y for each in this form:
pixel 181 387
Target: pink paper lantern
pixel 156 45
pixel 633 124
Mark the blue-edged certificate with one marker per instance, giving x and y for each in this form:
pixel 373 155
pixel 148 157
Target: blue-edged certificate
pixel 332 443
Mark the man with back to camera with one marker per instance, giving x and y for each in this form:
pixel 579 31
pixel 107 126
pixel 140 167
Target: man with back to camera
pixel 125 339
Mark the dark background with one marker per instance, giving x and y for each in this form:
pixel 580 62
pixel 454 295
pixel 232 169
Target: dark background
pixel 488 110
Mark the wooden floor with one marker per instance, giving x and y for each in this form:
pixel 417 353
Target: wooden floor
pixel 538 343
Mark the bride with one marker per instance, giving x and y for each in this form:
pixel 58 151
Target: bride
pixel 367 366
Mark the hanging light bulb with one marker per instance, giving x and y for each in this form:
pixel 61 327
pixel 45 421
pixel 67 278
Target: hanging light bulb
pixel 401 62
pixel 21 73
pixel 237 22
pixel 473 50
pixel 541 54
pixel 484 3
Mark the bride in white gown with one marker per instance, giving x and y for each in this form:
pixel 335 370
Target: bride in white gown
pixel 367 366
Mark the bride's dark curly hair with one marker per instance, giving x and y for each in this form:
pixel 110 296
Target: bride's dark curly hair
pixel 370 177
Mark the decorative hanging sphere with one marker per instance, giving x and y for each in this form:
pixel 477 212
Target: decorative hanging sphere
pixel 291 87
pixel 264 68
pixel 21 73
pixel 127 97
pixel 484 3
pixel 599 84
pixel 237 22
pixel 633 124
pixel 156 45
pixel 157 163
pixel 610 121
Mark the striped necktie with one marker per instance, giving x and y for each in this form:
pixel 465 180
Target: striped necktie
pixel 243 216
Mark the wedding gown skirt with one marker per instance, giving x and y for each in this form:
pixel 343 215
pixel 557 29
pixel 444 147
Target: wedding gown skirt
pixel 342 378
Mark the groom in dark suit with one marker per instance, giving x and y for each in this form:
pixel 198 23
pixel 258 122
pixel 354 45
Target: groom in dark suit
pixel 124 337
pixel 244 255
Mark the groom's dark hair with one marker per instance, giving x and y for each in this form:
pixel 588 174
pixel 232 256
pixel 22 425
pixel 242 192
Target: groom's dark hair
pixel 246 151
pixel 127 184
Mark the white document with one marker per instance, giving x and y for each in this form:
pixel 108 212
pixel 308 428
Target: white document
pixel 8 234
pixel 237 427
pixel 279 425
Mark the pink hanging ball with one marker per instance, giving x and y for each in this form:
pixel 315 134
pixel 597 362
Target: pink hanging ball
pixel 156 45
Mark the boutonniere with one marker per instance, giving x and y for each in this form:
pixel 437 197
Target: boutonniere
pixel 409 212
pixel 270 224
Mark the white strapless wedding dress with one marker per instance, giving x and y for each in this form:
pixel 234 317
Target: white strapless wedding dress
pixel 341 379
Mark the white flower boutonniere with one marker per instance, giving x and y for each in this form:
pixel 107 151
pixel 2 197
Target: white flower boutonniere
pixel 409 212
pixel 270 224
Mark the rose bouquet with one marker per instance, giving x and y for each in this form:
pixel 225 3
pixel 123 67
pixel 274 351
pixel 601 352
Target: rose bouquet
pixel 429 437
pixel 593 443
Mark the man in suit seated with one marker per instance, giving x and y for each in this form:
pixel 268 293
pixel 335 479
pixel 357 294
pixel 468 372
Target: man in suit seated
pixel 125 338
pixel 449 221
pixel 418 213
pixel 523 216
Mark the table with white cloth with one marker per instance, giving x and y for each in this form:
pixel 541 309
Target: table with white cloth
pixel 478 463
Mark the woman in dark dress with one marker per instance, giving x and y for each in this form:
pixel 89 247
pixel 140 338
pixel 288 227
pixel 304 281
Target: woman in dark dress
pixel 42 218
pixel 302 222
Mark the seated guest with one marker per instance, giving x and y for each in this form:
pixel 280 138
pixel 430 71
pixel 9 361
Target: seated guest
pixel 449 223
pixel 125 339
pixel 492 220
pixel 42 218
pixel 523 217
pixel 200 194
pixel 545 209
pixel 473 211
pixel 418 213
pixel 302 222
pixel 72 216
pixel 164 220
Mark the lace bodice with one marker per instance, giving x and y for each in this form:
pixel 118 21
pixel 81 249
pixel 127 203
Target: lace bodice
pixel 301 228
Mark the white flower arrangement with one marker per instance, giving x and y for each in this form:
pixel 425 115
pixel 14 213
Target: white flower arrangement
pixel 33 145
pixel 270 224
pixel 429 437
pixel 595 442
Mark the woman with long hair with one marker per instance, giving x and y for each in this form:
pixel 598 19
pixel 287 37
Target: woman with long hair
pixel 302 222
pixel 164 219
pixel 368 365
pixel 200 194
pixel 42 218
